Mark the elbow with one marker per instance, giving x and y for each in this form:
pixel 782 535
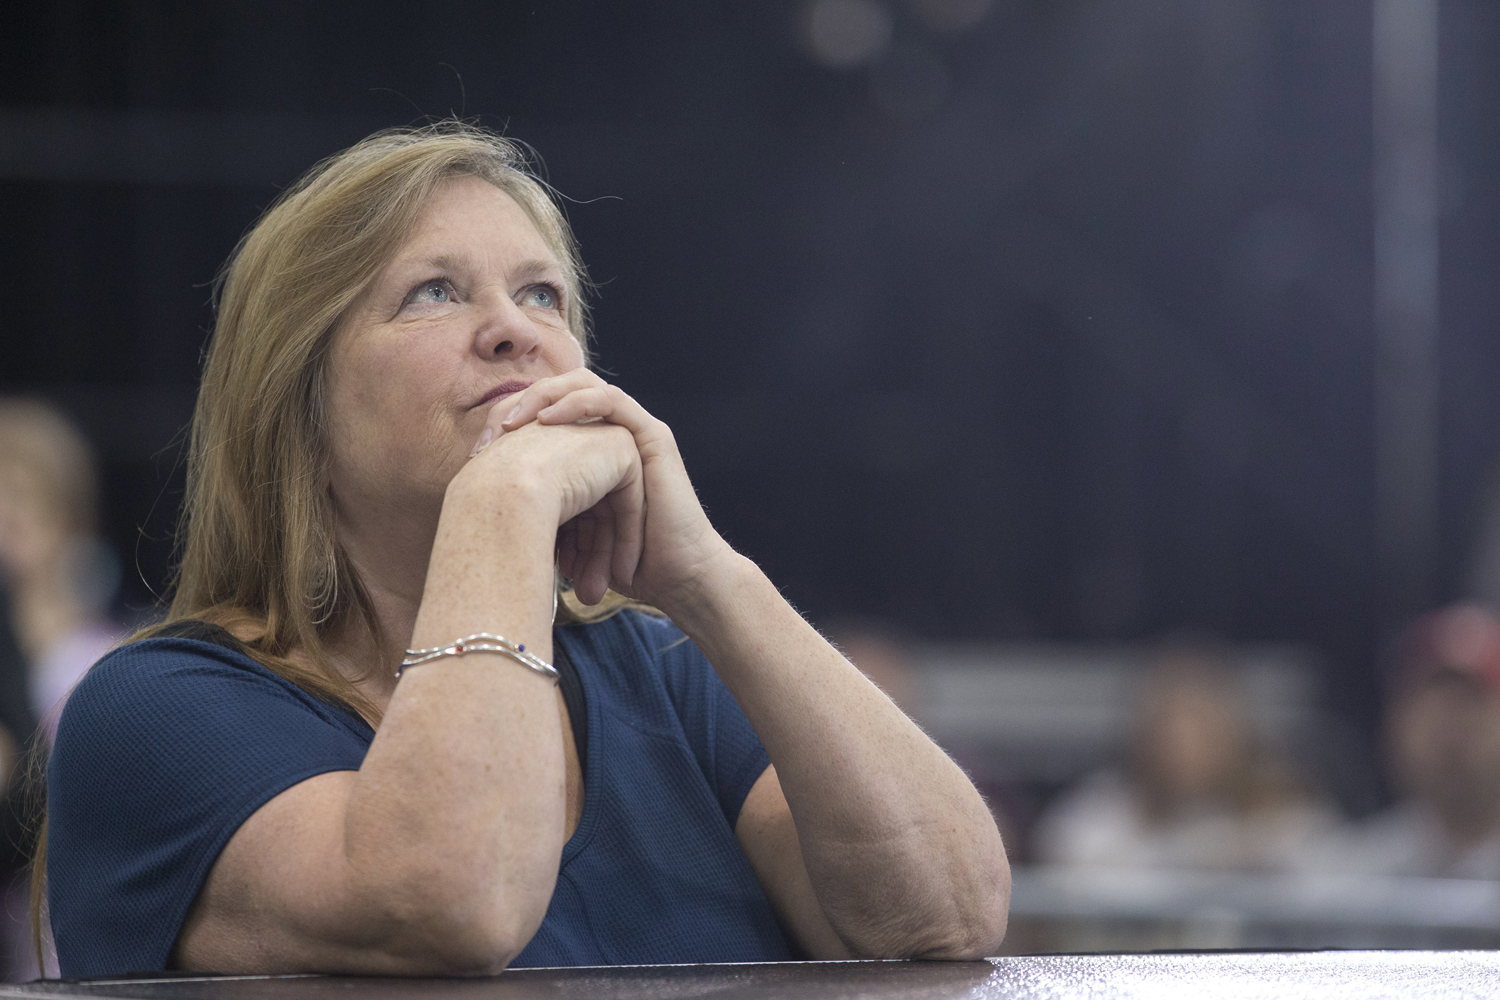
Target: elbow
pixel 976 922
pixel 473 946
pixel 957 909
pixel 985 929
pixel 989 915
pixel 458 931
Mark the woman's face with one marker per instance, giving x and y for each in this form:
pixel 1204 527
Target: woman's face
pixel 471 310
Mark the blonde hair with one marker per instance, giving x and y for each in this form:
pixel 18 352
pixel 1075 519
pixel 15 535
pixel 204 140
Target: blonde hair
pixel 258 553
pixel 38 441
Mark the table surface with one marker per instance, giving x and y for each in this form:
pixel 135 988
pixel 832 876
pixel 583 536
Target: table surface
pixel 1346 975
pixel 1338 900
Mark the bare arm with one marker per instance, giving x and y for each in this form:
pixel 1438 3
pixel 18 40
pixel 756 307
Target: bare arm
pixel 768 835
pixel 896 847
pixel 868 839
pixel 440 854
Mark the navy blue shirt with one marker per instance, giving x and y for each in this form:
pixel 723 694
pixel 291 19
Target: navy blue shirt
pixel 168 745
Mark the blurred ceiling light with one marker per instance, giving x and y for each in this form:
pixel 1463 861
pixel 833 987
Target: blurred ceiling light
pixel 950 15
pixel 909 83
pixel 845 33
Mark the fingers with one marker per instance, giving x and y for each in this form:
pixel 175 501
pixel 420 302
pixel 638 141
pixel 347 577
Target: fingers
pixel 526 404
pixel 568 559
pixel 628 505
pixel 604 402
pixel 602 547
pixel 591 584
pixel 576 397
pixel 605 544
pixel 522 408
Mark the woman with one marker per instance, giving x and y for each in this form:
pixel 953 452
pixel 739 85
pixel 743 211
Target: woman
pixel 396 441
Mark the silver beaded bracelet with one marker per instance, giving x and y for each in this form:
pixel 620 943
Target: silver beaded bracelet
pixel 481 642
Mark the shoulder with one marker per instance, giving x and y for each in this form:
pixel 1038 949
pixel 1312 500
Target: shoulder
pixel 165 669
pixel 164 749
pixel 161 730
pixel 145 672
pixel 149 689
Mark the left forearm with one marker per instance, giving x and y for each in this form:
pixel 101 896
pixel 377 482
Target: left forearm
pixel 901 852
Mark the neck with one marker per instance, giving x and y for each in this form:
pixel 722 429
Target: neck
pixel 389 552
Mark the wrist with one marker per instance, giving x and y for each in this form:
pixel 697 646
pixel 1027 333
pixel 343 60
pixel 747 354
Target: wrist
pixel 493 520
pixel 490 489
pixel 491 566
pixel 701 607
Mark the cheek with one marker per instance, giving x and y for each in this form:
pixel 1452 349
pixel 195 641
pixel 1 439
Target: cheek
pixel 385 419
pixel 563 351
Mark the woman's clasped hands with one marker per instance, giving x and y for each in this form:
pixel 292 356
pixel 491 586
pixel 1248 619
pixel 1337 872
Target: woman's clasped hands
pixel 628 518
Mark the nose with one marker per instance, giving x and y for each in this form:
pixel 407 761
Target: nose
pixel 504 330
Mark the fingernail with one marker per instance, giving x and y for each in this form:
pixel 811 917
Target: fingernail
pixel 512 414
pixel 483 442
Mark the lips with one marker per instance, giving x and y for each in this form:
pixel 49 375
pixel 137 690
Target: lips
pixel 501 390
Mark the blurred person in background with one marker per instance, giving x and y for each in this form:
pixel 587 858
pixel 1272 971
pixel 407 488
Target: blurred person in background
pixel 60 576
pixel 1200 790
pixel 57 579
pixel 1443 749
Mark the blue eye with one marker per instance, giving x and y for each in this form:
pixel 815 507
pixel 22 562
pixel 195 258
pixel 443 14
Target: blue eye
pixel 433 292
pixel 541 296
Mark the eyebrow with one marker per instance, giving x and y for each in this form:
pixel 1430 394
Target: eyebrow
pixel 446 262
pixel 527 269
pixel 536 267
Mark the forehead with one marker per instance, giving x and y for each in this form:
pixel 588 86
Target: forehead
pixel 472 216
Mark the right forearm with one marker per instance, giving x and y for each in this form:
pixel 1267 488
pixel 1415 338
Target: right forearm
pixel 460 802
pixel 491 567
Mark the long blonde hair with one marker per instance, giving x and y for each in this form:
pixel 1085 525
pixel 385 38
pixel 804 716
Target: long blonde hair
pixel 258 553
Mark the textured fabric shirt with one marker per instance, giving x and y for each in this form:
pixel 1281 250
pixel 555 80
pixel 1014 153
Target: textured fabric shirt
pixel 168 745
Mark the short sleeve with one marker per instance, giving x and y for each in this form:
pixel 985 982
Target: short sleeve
pixel 163 750
pixel 717 731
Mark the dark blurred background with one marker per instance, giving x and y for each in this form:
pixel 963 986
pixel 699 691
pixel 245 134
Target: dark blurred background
pixel 1010 320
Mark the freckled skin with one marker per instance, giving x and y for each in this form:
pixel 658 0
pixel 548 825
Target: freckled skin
pixel 867 839
pixel 403 378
